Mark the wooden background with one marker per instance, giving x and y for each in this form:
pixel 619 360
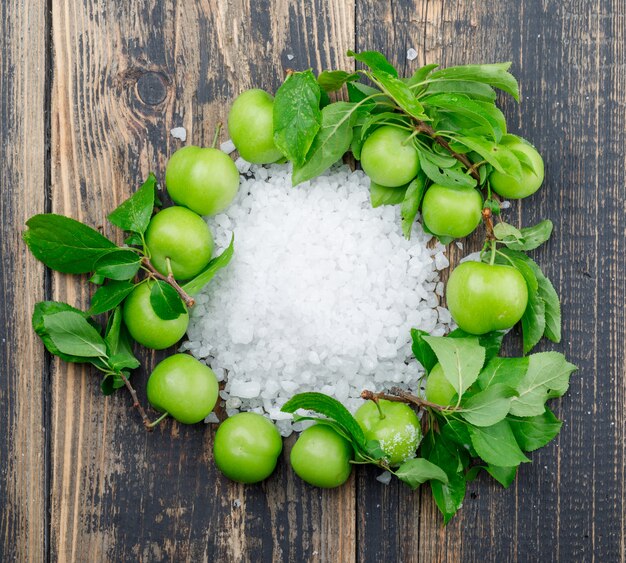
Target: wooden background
pixel 89 90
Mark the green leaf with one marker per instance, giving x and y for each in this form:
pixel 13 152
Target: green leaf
pixel 330 144
pixel 110 383
pixel 134 214
pixel 531 237
pixel 421 74
pixel 411 203
pixel 487 407
pixel 297 115
pixel 331 408
pixel 119 265
pixel 534 432
pixel 194 286
pixel 546 292
pixel 495 75
pixel 448 496
pixel 357 92
pixel 456 431
pixel 533 320
pixel 503 231
pixel 491 341
pixel 497 445
pixel 65 245
pixel 382 195
pixel 547 377
pixel 97 279
pixel 418 470
pixel 484 114
pixel 133 239
pixel 166 301
pixel 109 296
pixel 73 335
pixel 422 351
pixel 474 90
pixel 499 156
pixel 331 80
pixel 375 60
pixel 46 308
pixel 504 475
pixel 453 177
pixel 119 343
pixel 460 358
pixel 503 371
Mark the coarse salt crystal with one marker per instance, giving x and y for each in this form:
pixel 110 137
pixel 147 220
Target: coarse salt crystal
pixel 411 54
pixel 179 133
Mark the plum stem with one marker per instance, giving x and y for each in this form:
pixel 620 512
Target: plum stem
pixel 189 301
pixel 218 128
pixel 155 422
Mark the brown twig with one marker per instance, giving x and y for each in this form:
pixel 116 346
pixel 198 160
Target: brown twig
pixel 488 220
pixel 189 301
pixel 401 396
pixel 144 417
pixel 428 130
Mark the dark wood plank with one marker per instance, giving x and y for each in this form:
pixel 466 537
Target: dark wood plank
pixel 23 370
pixel 123 76
pixel 568 56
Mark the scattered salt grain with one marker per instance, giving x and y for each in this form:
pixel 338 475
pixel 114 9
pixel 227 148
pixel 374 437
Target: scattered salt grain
pixel 237 503
pixel 290 57
pixel 411 54
pixel 384 478
pixel 179 133
pixel 505 204
pixel 212 419
pixel 321 293
pixel 459 244
pixel 242 165
pixel 227 146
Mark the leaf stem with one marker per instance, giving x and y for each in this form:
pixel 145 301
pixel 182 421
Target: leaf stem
pixel 492 259
pixel 136 403
pixel 488 220
pixel 401 396
pixel 189 301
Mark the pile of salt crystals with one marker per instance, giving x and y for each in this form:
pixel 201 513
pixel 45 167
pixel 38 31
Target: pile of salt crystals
pixel 321 294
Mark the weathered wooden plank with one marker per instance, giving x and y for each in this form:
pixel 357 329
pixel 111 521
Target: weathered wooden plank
pixel 23 370
pixel 567 505
pixel 123 76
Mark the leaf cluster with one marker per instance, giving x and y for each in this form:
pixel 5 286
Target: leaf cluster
pixel 449 114
pixel 69 246
pixel 499 412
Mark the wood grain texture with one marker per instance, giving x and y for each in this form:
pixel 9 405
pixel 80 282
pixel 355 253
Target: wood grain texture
pixel 123 76
pixel 23 377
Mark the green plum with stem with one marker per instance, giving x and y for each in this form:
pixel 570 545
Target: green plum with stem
pixel 184 388
pixel 438 389
pixel 180 242
pixel 145 326
pixel 451 211
pixel 532 172
pixel 251 127
pixel 395 425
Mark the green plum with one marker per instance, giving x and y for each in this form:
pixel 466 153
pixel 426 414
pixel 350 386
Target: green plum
pixel 451 212
pixel 389 158
pixel 438 389
pixel 182 236
pixel 397 429
pixel 483 297
pixel 532 170
pixel 247 447
pixel 145 326
pixel 251 127
pixel 205 180
pixel 321 457
pixel 184 388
